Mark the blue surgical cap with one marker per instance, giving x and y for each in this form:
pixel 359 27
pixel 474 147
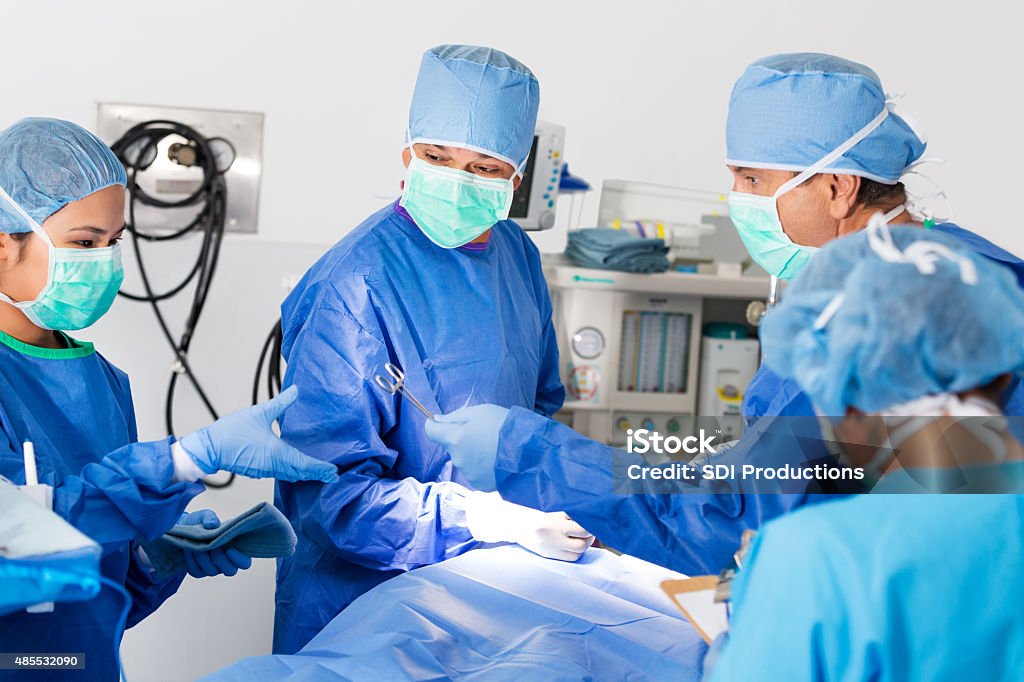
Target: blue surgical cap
pixel 788 111
pixel 897 334
pixel 478 98
pixel 45 164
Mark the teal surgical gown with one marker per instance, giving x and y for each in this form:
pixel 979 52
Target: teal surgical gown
pixel 883 587
pixel 77 410
pixel 467 326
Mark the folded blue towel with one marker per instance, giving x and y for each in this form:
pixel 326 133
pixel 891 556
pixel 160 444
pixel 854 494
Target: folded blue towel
pixel 609 249
pixel 262 533
pixel 610 238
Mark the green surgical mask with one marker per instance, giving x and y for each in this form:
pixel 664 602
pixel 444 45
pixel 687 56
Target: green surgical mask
pixel 81 284
pixel 757 220
pixel 453 207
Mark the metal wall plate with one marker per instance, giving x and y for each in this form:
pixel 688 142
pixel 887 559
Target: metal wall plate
pixel 170 181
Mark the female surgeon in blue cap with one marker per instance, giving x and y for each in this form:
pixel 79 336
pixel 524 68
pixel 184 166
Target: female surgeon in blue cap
pixel 443 286
pixel 61 216
pixel 816 149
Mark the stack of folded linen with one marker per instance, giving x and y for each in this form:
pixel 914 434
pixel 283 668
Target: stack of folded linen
pixel 610 249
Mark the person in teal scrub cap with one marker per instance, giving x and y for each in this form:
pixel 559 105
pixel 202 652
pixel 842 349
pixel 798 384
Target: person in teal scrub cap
pixel 869 585
pixel 61 216
pixel 443 286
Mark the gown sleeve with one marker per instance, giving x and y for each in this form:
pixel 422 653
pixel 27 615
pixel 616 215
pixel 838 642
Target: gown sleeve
pixel 373 516
pixel 147 591
pixel 129 493
pixel 546 465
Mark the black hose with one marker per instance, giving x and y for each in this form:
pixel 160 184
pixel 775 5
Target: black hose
pixel 271 355
pixel 259 365
pixel 210 200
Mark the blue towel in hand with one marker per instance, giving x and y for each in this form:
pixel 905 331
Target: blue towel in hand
pixel 262 533
pixel 609 249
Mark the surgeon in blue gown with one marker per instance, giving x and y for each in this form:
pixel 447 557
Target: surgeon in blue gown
pixel 896 586
pixel 61 215
pixel 442 286
pixel 816 149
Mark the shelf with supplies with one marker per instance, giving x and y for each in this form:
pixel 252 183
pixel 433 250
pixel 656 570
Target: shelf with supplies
pixel 688 283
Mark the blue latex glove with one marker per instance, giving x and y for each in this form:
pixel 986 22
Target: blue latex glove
pixel 214 562
pixel 470 435
pixel 244 443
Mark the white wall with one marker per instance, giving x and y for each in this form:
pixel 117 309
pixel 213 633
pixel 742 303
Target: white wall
pixel 641 86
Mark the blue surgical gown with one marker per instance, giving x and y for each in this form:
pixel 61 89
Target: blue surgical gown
pixel 77 410
pixel 883 587
pixel 772 395
pixel 466 327
pixel 692 528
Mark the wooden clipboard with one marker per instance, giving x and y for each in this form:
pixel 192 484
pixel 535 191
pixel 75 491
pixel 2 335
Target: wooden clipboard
pixel 695 597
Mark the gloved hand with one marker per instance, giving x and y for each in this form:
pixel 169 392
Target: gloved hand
pixel 244 443
pixel 216 561
pixel 552 535
pixel 470 435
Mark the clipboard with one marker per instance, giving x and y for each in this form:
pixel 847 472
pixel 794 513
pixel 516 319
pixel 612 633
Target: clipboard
pixel 696 598
pixel 704 599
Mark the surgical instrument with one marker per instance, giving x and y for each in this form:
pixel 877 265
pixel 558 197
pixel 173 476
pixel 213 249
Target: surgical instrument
pixel 399 386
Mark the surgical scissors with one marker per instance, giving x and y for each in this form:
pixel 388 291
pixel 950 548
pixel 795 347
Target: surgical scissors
pixel 399 386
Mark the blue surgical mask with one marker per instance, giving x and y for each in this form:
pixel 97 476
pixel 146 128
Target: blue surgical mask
pixel 757 217
pixel 453 207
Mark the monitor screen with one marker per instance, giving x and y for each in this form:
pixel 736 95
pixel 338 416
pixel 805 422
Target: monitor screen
pixel 521 199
